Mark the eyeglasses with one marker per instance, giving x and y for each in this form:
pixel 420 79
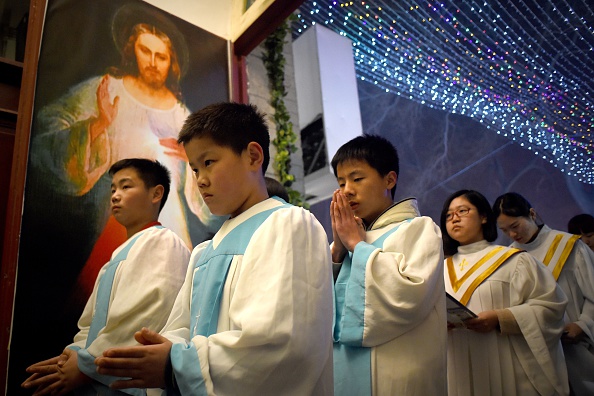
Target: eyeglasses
pixel 460 212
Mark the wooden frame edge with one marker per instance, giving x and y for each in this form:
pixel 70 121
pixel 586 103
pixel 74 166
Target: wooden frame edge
pixel 14 206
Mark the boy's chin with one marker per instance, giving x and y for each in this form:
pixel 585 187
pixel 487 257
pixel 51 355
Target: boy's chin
pixel 216 212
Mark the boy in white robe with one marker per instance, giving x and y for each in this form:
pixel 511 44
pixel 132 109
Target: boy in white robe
pixel 137 287
pixel 390 325
pixel 254 316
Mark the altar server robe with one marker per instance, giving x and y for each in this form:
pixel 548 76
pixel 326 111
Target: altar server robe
pixel 254 316
pixel 390 325
pixel 140 294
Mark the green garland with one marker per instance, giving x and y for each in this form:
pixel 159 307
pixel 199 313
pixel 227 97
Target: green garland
pixel 274 61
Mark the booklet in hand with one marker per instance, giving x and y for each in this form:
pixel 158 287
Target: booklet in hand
pixel 457 313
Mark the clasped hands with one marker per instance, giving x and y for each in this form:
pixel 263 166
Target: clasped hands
pixel 347 229
pixel 56 376
pixel 143 364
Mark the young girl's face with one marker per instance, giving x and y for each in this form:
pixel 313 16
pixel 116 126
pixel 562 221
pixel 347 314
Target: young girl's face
pixel 521 229
pixel 464 224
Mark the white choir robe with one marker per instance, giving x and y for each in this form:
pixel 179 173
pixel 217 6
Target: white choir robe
pixel 391 315
pixel 577 282
pixel 271 316
pixel 524 364
pixel 144 288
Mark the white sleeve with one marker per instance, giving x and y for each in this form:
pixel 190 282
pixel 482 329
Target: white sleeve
pixel 144 288
pixel 584 274
pixel 534 295
pixel 64 125
pixel 403 280
pixel 84 322
pixel 538 305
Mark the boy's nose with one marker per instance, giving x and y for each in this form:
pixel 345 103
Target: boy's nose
pixel 348 189
pixel 201 181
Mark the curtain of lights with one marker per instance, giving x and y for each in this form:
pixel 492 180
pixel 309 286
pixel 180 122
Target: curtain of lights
pixel 523 68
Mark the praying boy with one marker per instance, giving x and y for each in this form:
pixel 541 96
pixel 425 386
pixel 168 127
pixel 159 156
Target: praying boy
pixel 254 316
pixel 136 288
pixel 390 327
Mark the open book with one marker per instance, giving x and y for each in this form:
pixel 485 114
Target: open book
pixel 457 313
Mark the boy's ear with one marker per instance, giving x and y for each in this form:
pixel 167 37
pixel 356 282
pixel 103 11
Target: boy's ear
pixel 391 179
pixel 158 192
pixel 255 154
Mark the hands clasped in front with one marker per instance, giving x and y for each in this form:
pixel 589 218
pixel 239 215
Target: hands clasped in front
pixel 56 376
pixel 144 364
pixel 347 229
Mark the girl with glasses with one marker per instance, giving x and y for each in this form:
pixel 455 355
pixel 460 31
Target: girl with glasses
pixel 512 346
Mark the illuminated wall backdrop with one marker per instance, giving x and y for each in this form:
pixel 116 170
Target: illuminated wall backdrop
pixel 494 96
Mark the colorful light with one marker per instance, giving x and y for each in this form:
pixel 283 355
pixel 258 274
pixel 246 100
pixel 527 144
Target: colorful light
pixel 524 70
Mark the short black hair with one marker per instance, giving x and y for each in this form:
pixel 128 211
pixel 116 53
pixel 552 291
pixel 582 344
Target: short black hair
pixel 274 187
pixel 377 151
pixel 450 246
pixel 581 224
pixel 229 124
pixel 151 172
pixel 512 204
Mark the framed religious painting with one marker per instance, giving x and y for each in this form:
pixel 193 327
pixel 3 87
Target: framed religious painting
pixel 116 79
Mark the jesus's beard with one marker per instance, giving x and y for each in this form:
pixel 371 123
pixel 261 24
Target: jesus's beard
pixel 153 78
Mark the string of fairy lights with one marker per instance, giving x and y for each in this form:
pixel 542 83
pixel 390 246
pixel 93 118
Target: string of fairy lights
pixel 523 68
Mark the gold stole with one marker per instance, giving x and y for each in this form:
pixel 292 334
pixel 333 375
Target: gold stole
pixel 478 272
pixel 560 255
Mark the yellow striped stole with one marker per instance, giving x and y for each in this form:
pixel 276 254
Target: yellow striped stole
pixel 562 259
pixel 491 261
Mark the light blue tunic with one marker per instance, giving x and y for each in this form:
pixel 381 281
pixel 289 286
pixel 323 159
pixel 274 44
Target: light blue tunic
pixel 209 279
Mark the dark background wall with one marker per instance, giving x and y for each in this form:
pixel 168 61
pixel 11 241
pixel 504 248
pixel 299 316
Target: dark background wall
pixel 441 153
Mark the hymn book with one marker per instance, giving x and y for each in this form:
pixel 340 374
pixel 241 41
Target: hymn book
pixel 457 313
